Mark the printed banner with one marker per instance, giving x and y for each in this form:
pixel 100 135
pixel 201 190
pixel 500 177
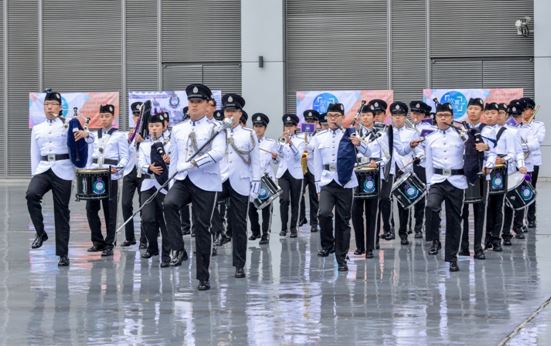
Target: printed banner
pixel 459 98
pixel 351 99
pixel 88 104
pixel 172 102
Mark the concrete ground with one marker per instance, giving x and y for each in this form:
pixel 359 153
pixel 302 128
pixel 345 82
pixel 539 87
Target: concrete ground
pixel 403 296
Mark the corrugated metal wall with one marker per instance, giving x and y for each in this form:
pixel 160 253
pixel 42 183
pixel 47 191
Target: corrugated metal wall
pixel 210 52
pixel 2 101
pixel 336 45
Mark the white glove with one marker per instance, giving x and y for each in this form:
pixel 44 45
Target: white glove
pixel 183 166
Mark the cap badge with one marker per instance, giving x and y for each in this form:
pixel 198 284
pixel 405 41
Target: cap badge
pixel 195 90
pixel 230 99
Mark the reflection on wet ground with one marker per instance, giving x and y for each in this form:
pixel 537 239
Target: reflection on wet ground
pixel 290 295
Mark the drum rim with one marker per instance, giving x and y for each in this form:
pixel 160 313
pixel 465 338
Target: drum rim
pixel 92 170
pixel 511 187
pixel 400 180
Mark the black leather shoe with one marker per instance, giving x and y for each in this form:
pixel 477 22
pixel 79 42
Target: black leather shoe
pixel 532 224
pixel 204 285
pixel 404 241
pixel 359 252
pixel 165 263
pixel 497 247
pixel 179 257
pixel 453 266
pixel 108 251
pixel 254 237
pixel 95 248
pixel 524 229
pixel 63 261
pixel 520 235
pixel 40 238
pixel 507 242
pixel 127 243
pixel 464 252
pixel 224 240
pixel 294 233
pixel 239 273
pixel 324 252
pixel 302 222
pixel 148 254
pixel 435 247
pixel 143 246
pixel 369 254
pixel 264 240
pixel 479 254
pixel 314 229
pixel 390 236
pixel 418 235
pixel 343 267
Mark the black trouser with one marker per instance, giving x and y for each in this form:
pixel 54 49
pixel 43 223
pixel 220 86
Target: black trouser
pixel 109 206
pixel 291 196
pixel 335 196
pixel 184 192
pixel 310 183
pixel 479 210
pixel 219 218
pixel 532 208
pixel 494 218
pixel 385 204
pixel 266 220
pixel 151 224
pixel 237 218
pixel 514 218
pixel 130 184
pixel 185 217
pixel 61 193
pixel 453 197
pixel 371 207
pixel 419 207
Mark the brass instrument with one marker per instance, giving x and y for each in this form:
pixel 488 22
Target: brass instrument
pixel 304 157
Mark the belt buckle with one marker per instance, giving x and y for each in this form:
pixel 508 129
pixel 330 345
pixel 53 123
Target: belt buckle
pixel 446 172
pixel 51 157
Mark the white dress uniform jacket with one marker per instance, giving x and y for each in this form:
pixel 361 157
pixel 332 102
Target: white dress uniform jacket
pixel 507 147
pixel 290 155
pixel 187 137
pixel 538 131
pixel 267 145
pixel 444 149
pixel 109 147
pixel 50 138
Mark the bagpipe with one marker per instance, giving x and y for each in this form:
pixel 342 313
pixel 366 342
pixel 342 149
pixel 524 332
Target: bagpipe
pixel 78 150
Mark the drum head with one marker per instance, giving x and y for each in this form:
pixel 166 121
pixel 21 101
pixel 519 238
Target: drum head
pixel 401 180
pixel 514 180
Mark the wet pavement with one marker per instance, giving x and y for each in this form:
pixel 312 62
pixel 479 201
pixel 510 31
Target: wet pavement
pixel 290 296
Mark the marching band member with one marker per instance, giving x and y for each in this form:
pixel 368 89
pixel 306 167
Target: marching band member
pixel 131 182
pixel 507 151
pixel 197 181
pixel 528 143
pixel 365 240
pixel 240 172
pixel 268 154
pixel 420 116
pixel 311 117
pixel 474 113
pixel 153 160
pixel 335 180
pixel 51 169
pixel 289 174
pixel 399 110
pixel 322 119
pixel 110 149
pixel 538 131
pixel 446 182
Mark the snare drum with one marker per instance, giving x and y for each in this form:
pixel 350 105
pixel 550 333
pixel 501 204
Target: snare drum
pixel 475 192
pixel 521 193
pixel 267 193
pixel 408 189
pixel 369 183
pixel 93 183
pixel 498 180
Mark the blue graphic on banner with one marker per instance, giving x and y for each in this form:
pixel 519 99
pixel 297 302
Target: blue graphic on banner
pixel 458 101
pixel 322 101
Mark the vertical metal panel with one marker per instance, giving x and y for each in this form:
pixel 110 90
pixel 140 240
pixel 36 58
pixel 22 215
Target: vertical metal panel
pixel 2 95
pixel 457 74
pixel 471 28
pixel 200 31
pixel 22 78
pixel 509 74
pixel 141 44
pixel 335 44
pixel 409 49
pixel 178 76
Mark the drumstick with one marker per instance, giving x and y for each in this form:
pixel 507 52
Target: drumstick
pixel 267 151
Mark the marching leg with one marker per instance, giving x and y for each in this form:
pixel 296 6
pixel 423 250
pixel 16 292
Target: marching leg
pixel 39 185
pixel 61 190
